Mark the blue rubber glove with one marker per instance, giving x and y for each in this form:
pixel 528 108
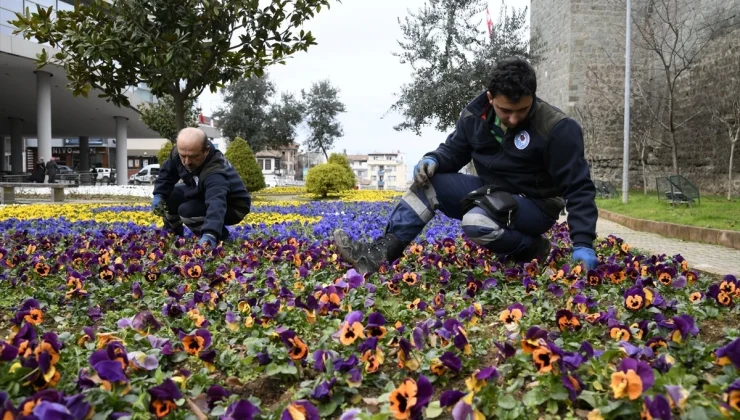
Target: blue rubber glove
pixel 156 201
pixel 587 255
pixel 209 239
pixel 424 170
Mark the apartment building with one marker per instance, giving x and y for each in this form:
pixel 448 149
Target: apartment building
pixel 358 163
pixel 387 170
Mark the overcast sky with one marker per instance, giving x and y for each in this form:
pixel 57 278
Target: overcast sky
pixel 357 58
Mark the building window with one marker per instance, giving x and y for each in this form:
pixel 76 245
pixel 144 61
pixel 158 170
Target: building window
pixel 373 178
pixel 392 178
pixel 130 163
pixel 268 164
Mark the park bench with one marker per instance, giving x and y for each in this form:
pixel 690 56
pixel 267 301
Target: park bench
pixel 77 178
pixel 57 190
pixel 679 197
pixel 677 190
pixel 605 189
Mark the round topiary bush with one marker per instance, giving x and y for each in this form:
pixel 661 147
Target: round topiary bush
pixel 341 160
pixel 328 177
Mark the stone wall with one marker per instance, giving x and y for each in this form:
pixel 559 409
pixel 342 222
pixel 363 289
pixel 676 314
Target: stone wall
pixel 583 73
pixel 550 20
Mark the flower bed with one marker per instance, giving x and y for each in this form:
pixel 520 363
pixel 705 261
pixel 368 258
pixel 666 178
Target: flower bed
pixel 105 315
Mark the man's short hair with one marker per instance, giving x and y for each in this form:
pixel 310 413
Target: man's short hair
pixel 514 78
pixel 205 140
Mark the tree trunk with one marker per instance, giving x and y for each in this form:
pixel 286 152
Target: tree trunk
pixel 644 177
pixel 323 149
pixel 671 126
pixel 674 153
pixel 179 113
pixel 729 177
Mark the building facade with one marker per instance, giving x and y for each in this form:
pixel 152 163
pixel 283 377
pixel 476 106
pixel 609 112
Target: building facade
pixel 387 171
pixel 307 160
pixel 37 112
pixel 358 163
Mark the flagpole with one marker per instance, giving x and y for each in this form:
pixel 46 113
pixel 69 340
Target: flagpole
pixel 489 22
pixel 626 151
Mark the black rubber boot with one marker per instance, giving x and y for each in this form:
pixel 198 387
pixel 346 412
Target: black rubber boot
pixel 539 250
pixel 367 257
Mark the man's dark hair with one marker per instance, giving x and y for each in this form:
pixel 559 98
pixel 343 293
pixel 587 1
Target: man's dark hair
pixel 514 78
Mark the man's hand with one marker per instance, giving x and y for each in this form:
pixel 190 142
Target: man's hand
pixel 209 239
pixel 424 170
pixel 587 255
pixel 156 201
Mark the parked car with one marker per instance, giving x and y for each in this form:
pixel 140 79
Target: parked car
pixel 146 175
pixel 105 175
pixel 64 169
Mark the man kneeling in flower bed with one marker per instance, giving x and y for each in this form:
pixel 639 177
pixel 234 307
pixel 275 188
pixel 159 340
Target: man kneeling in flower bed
pixel 528 156
pixel 212 194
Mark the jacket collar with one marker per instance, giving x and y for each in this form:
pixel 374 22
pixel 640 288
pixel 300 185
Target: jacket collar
pixel 481 107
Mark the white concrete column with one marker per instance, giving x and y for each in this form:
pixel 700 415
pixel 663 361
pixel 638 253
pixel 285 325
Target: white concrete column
pixel 43 114
pixel 2 153
pixel 16 145
pixel 121 150
pixel 84 153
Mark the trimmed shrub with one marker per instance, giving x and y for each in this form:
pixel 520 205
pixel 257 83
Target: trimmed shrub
pixel 342 161
pixel 242 158
pixel 164 152
pixel 328 177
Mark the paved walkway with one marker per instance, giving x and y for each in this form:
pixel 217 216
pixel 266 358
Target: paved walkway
pixel 710 258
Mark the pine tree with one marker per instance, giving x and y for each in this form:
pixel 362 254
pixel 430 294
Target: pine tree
pixel 242 158
pixel 322 108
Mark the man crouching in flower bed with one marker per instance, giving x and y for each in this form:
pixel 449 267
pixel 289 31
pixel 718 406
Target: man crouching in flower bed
pixel 528 156
pixel 212 194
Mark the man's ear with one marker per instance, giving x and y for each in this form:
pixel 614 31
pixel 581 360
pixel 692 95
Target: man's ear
pixel 490 98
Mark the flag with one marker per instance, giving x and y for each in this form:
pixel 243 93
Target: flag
pixel 489 22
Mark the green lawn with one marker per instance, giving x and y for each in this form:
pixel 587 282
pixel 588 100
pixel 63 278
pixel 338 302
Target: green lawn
pixel 713 212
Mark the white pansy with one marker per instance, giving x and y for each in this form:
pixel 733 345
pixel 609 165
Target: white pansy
pixel 93 191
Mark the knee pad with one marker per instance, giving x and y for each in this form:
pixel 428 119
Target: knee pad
pixel 480 228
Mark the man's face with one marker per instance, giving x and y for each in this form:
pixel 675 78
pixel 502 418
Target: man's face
pixel 510 113
pixel 192 154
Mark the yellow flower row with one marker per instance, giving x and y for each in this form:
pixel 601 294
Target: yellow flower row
pixel 81 212
pixel 73 212
pixel 282 191
pixel 370 195
pixel 364 195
